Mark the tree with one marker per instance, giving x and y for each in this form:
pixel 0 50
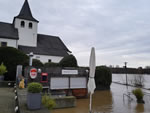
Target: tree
pixel 37 63
pixel 147 67
pixel 68 61
pixel 103 77
pixel 51 64
pixel 11 57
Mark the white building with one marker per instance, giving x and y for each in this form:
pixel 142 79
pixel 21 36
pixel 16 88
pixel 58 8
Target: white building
pixel 22 34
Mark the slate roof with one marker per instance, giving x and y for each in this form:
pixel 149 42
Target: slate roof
pixel 25 12
pixel 47 45
pixel 8 31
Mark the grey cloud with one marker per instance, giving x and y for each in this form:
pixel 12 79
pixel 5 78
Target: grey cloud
pixel 119 30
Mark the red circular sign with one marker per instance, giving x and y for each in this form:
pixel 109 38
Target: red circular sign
pixel 33 73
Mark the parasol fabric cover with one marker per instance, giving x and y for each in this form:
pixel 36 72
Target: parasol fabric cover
pixel 92 66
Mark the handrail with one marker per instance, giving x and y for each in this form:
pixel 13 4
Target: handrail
pixel 127 95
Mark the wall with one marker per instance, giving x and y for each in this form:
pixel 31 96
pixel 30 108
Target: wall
pixel 65 102
pixel 10 42
pixel 27 36
pixel 45 58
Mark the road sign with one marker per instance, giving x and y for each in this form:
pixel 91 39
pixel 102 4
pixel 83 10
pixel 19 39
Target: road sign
pixel 33 73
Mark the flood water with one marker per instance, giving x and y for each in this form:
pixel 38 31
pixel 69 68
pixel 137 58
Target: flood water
pixel 111 101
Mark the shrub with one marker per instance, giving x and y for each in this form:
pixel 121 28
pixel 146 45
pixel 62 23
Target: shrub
pixel 68 61
pixel 51 64
pixel 48 102
pixel 37 63
pixel 34 87
pixel 2 69
pixel 138 94
pixel 12 57
pixel 103 77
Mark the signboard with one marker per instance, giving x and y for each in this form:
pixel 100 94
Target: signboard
pixel 19 70
pixel 44 74
pixel 59 83
pixel 78 82
pixel 33 73
pixel 69 72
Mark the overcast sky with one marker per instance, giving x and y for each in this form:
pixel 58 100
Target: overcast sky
pixel 118 29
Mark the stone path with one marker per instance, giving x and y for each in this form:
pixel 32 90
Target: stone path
pixel 7 101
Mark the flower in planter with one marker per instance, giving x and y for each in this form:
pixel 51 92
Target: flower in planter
pixel 3 69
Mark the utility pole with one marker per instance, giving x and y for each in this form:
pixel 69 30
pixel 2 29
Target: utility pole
pixel 126 72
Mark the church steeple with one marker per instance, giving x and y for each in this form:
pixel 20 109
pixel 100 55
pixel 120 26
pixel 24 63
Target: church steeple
pixel 27 26
pixel 25 12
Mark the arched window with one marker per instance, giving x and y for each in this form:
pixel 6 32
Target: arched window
pixel 30 25
pixel 22 24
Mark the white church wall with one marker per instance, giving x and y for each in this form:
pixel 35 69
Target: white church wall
pixel 46 58
pixel 10 42
pixel 27 36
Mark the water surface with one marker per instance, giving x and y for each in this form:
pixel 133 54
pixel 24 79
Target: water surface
pixel 111 101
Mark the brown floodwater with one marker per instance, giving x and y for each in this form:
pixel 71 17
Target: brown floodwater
pixel 110 101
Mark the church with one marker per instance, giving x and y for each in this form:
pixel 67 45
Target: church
pixel 23 34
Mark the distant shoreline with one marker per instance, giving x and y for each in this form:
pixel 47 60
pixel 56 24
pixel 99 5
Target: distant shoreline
pixel 130 71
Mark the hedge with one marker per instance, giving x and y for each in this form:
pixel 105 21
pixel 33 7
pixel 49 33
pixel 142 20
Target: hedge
pixel 11 57
pixel 103 77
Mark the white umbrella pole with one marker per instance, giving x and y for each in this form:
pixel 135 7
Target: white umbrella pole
pixel 90 111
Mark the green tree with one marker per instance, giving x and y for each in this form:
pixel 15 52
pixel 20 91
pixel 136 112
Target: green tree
pixel 68 61
pixel 103 77
pixel 37 63
pixel 51 64
pixel 12 57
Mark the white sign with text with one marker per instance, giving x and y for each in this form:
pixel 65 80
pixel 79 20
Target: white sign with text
pixel 69 72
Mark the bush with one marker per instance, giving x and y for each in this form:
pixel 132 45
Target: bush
pixel 2 69
pixel 12 57
pixel 68 61
pixel 48 102
pixel 103 77
pixel 138 94
pixel 51 64
pixel 34 87
pixel 37 63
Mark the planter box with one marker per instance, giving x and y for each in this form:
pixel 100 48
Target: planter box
pixel 34 101
pixel 65 102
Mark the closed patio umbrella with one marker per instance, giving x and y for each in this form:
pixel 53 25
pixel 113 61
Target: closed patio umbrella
pixel 91 82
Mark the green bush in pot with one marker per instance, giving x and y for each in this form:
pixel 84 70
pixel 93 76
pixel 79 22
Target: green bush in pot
pixel 34 96
pixel 34 87
pixel 3 70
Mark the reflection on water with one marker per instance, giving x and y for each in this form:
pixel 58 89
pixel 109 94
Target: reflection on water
pixel 110 101
pixel 139 108
pixel 102 101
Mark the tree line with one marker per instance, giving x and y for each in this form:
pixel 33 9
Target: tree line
pixel 129 70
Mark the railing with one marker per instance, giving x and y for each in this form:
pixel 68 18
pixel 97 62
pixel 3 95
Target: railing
pixel 128 96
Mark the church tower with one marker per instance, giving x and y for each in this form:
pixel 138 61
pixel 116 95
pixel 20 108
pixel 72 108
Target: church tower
pixel 27 26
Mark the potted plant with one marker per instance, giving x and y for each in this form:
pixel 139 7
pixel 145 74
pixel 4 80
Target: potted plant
pixel 139 95
pixel 3 70
pixel 34 95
